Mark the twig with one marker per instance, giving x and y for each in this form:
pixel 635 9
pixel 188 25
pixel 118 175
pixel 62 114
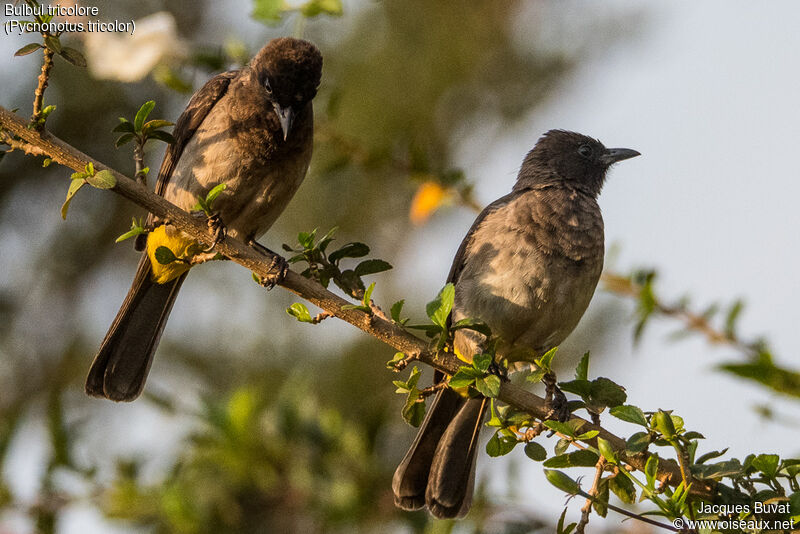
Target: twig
pixel 587 507
pixel 386 331
pixel 16 144
pixel 44 78
pixel 623 285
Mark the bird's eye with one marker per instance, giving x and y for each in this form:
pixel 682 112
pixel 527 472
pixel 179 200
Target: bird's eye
pixel 268 87
pixel 585 151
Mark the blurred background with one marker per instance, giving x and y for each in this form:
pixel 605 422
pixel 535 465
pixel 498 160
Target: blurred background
pixel 253 422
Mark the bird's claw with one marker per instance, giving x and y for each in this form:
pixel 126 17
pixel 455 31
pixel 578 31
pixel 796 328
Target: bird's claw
pixel 215 225
pixel 499 370
pixel 555 401
pixel 278 266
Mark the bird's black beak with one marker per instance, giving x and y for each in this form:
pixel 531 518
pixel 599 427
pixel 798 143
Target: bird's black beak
pixel 285 117
pixel 613 155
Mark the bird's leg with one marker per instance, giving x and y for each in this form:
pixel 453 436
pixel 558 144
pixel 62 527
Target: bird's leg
pixel 554 400
pixel 278 267
pixel 215 224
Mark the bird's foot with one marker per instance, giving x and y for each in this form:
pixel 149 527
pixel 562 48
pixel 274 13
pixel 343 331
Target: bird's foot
pixel 554 400
pixel 215 224
pixel 278 266
pixel 501 371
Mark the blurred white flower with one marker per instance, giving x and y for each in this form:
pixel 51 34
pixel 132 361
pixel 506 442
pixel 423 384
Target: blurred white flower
pixel 129 58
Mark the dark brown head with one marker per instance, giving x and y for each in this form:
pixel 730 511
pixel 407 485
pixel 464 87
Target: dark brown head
pixel 289 70
pixel 569 158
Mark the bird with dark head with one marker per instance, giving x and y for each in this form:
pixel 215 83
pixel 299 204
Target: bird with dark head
pixel 250 130
pixel 528 268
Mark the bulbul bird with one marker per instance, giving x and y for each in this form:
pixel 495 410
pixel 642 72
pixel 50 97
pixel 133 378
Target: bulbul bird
pixel 528 268
pixel 250 129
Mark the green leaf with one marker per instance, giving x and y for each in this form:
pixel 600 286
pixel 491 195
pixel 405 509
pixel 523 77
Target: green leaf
pixel 536 376
pixel 268 11
pixel 350 250
pixel 600 501
pixel 306 239
pixel 481 362
pixel 500 444
pixel 102 180
pixel 567 429
pixel 141 115
pixel 473 324
pixel 605 448
pixel 464 377
pixel 125 138
pixel 161 135
pixel 631 414
pixel 711 455
pixel 582 388
pixel 124 126
pixel 74 186
pixel 368 296
pixel 765 372
pixel 439 308
pixel 47 111
pixel 414 413
pixel 662 422
pixel 28 49
pixel 731 317
pixel 155 124
pixel 547 359
pixel 561 446
pixel 580 458
pixel 582 370
pixel 395 310
pixel 561 528
pixel 372 267
pixel 214 193
pixel 562 481
pixel 606 393
pixel 136 229
pixel 165 256
pixel 53 43
pixel 300 312
pixel 488 386
pixel 638 442
pixel 623 488
pixel 73 56
pixel 651 470
pixel 767 464
pixel 535 452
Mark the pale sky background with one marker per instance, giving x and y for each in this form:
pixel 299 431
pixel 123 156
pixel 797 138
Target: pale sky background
pixel 707 91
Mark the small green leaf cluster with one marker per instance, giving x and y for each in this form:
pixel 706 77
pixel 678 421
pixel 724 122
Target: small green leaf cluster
pixel 511 424
pixel 51 42
pixel 438 311
pixel 414 407
pixel 477 376
pixel 596 395
pixel 141 131
pixel 205 204
pixel 137 228
pixel 324 266
pixel 101 180
pixel 273 11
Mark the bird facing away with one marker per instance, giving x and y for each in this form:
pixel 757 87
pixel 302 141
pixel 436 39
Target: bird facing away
pixel 528 268
pixel 250 129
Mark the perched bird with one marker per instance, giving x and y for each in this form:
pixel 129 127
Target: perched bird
pixel 250 129
pixel 528 268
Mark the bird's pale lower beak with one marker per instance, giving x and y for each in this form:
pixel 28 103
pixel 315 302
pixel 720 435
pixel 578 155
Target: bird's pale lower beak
pixel 613 155
pixel 285 117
